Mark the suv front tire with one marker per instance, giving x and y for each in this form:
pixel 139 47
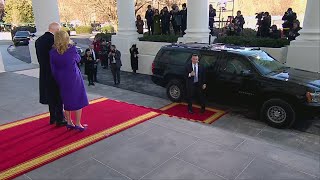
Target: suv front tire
pixel 278 113
pixel 175 90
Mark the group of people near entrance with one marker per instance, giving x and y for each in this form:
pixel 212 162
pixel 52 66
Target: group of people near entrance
pixel 108 56
pixel 159 22
pixel 62 86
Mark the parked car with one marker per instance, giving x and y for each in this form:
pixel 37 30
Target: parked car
pixel 244 76
pixel 21 37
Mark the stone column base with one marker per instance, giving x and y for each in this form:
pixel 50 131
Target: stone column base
pixel 123 44
pixel 304 55
pixel 32 49
pixel 194 38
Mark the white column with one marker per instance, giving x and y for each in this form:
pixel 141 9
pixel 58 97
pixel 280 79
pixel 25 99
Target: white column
pixel 127 31
pixel 126 17
pixel 45 12
pixel 304 52
pixel 198 22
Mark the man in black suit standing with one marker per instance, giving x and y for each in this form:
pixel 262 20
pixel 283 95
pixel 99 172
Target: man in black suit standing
pixel 115 64
pixel 96 60
pixel 196 82
pixel 49 91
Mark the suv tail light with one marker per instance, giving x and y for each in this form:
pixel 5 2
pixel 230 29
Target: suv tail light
pixel 152 68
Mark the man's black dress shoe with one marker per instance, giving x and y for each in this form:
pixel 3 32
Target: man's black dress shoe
pixel 52 122
pixel 202 110
pixel 190 111
pixel 61 123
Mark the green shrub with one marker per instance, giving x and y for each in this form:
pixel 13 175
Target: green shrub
pixel 107 29
pixel 253 41
pixel 248 32
pixel 160 38
pixel 104 36
pixel 84 29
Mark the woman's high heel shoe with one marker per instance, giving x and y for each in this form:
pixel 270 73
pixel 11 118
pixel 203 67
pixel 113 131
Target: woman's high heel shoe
pixel 81 128
pixel 70 127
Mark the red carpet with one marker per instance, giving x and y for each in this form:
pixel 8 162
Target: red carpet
pixel 180 110
pixel 32 142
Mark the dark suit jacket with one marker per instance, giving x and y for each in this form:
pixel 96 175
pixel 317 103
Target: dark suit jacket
pixel 201 75
pixel 48 87
pixel 117 57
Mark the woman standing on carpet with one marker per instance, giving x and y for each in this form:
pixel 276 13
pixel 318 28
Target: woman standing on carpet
pixel 64 59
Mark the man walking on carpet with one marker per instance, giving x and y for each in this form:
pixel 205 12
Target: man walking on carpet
pixel 49 91
pixel 196 82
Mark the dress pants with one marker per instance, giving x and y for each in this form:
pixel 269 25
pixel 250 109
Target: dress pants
pixel 90 76
pixel 192 90
pixel 95 75
pixel 116 73
pixel 56 112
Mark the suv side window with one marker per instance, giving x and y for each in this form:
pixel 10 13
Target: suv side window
pixel 176 57
pixel 208 60
pixel 235 65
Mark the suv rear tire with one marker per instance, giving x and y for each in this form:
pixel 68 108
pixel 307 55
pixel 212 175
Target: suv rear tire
pixel 175 90
pixel 278 113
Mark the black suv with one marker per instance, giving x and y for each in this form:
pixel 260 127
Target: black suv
pixel 245 76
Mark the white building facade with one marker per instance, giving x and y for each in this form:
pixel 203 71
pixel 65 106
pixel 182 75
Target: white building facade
pixel 303 53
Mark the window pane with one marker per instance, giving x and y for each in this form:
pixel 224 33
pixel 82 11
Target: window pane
pixel 208 60
pixel 236 66
pixel 176 57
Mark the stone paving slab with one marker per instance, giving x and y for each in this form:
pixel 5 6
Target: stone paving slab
pixel 166 147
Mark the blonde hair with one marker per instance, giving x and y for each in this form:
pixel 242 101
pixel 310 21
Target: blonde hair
pixel 61 41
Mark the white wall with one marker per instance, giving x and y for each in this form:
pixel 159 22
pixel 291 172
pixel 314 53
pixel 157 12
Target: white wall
pixel 147 53
pixel 279 54
pixel 5 36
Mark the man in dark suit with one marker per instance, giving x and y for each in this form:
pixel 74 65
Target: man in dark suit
pixel 49 90
pixel 115 64
pixel 96 59
pixel 196 82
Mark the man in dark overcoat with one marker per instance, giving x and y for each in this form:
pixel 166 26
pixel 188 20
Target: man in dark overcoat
pixel 49 90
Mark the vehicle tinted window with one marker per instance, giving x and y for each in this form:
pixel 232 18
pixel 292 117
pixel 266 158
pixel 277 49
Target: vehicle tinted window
pixel 22 33
pixel 176 57
pixel 235 65
pixel 208 60
pixel 265 63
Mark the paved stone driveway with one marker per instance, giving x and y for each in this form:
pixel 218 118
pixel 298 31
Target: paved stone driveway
pixel 169 148
pixel 233 147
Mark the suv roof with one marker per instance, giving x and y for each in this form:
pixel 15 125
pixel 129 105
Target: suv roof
pixel 216 47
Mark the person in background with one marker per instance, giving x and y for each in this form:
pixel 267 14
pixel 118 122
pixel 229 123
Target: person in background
pixel 294 31
pixel 176 19
pixel 165 20
pixel 89 66
pixel 289 17
pixel 96 59
pixel 266 24
pixel 134 58
pixel 115 64
pixel 156 22
pixel 104 54
pixel 149 18
pixel 183 13
pixel 196 82
pixel 212 14
pixel 274 32
pixel 139 24
pixel 48 88
pixel 239 20
pixel 63 60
